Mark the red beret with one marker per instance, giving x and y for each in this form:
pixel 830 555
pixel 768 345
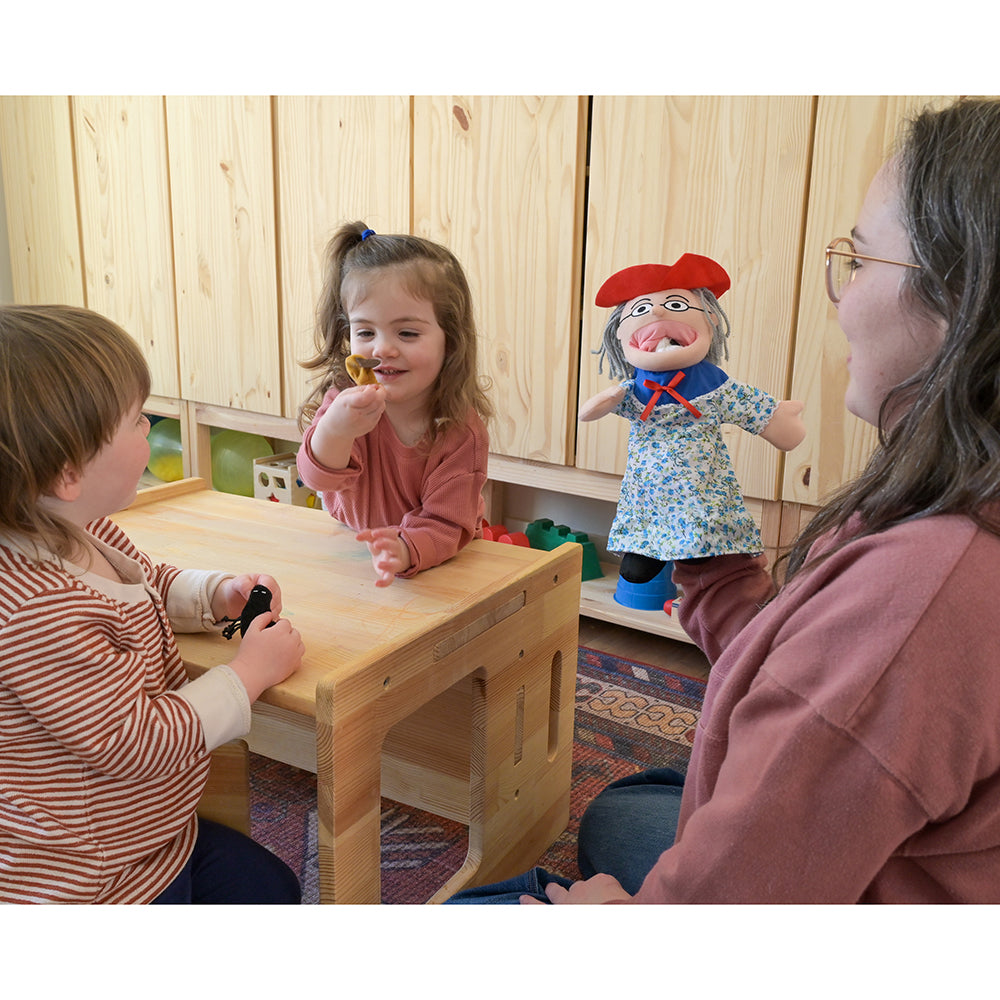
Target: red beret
pixel 691 271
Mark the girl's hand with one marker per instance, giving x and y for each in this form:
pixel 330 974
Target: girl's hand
pixel 599 889
pixel 355 411
pixel 267 655
pixel 231 595
pixel 389 553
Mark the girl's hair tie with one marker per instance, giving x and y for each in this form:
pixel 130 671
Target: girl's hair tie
pixel 366 234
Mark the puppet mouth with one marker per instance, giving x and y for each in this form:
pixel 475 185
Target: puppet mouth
pixel 662 336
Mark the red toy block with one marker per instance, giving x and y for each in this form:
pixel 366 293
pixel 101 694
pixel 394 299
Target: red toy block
pixel 515 538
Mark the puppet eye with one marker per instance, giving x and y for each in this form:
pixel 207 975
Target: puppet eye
pixel 641 308
pixel 676 305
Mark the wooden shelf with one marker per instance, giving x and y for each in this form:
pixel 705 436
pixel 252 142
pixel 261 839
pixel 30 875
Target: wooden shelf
pixel 558 478
pixel 597 600
pixel 597 597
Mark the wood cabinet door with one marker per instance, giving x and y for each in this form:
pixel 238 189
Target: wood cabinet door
pixel 124 198
pixel 500 182
pixel 339 159
pixel 853 137
pixel 222 193
pixel 720 176
pixel 36 148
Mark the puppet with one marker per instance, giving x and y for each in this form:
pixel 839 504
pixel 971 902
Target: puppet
pixel 679 496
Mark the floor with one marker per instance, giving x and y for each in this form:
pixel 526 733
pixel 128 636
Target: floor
pixel 681 657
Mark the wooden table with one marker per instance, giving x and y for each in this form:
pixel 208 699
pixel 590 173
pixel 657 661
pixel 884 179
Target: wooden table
pixel 451 692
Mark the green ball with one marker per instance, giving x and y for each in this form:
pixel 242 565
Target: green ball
pixel 233 454
pixel 166 457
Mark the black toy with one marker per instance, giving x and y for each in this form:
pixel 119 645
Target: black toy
pixel 257 603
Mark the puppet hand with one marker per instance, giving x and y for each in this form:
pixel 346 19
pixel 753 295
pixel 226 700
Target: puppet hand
pixel 785 430
pixel 602 404
pixel 390 554
pixel 599 889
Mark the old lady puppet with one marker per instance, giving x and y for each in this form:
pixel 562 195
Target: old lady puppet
pixel 679 496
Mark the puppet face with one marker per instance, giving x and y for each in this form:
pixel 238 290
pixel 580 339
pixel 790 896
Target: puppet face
pixel 665 330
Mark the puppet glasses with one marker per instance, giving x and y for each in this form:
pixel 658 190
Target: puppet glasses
pixel 841 263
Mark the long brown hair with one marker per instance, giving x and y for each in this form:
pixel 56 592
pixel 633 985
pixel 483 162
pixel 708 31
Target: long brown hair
pixel 942 455
pixel 68 377
pixel 431 272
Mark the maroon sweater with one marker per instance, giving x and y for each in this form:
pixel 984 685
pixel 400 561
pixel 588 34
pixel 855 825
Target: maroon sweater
pixel 849 746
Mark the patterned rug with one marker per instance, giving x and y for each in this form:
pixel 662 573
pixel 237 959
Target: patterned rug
pixel 629 716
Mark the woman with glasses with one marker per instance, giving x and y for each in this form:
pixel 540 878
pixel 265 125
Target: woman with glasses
pixel 849 746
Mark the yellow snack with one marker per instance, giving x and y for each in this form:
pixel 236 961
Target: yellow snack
pixel 361 369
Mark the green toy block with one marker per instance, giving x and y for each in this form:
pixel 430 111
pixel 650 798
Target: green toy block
pixel 543 534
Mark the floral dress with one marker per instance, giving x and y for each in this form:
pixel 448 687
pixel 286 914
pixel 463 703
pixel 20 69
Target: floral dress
pixel 679 497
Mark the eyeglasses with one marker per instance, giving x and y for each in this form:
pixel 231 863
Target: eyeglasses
pixel 841 263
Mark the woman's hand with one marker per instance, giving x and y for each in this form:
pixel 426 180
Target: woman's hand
pixel 389 552
pixel 599 889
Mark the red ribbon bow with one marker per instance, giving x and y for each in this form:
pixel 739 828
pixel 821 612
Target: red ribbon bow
pixel 659 389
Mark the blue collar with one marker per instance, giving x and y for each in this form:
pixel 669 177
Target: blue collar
pixel 698 380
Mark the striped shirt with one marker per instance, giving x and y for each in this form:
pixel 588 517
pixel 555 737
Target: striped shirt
pixel 102 758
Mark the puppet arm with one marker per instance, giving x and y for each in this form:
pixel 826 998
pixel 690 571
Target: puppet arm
pixel 603 403
pixel 785 430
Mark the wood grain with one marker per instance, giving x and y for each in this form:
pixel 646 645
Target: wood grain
pixel 854 136
pixel 721 176
pixel 226 798
pixel 222 194
pixel 464 676
pixel 500 181
pixel 124 198
pixel 339 159
pixel 36 147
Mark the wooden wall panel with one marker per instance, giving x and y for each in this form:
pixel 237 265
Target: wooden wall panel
pixel 854 135
pixel 222 193
pixel 121 155
pixel 338 159
pixel 500 181
pixel 721 176
pixel 36 147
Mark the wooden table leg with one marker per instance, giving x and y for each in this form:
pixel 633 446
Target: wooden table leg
pixel 518 651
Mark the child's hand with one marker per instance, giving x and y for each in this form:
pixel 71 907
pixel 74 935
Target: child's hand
pixel 389 553
pixel 267 655
pixel 354 412
pixel 231 595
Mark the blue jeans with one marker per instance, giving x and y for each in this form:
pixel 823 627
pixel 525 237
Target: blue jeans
pixel 228 867
pixel 622 833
